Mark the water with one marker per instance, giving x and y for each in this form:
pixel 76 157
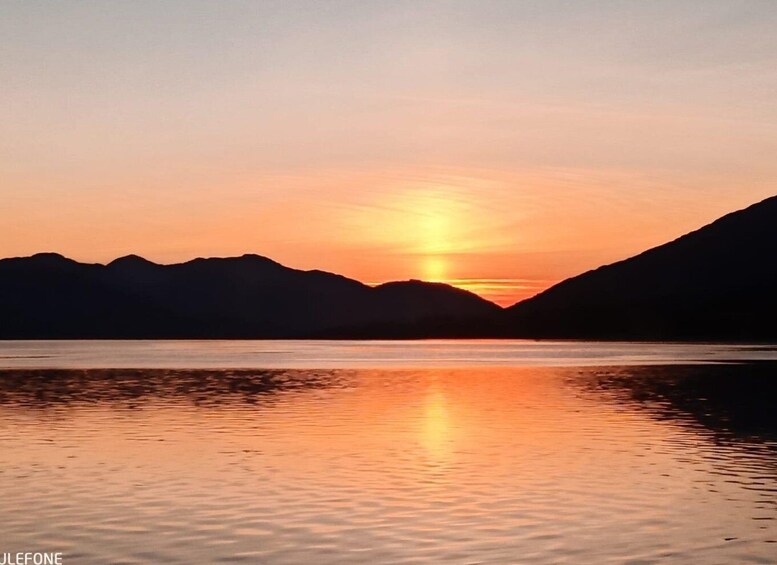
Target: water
pixel 420 452
pixel 274 354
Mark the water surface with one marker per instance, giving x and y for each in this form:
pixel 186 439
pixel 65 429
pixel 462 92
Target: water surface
pixel 575 463
pixel 313 354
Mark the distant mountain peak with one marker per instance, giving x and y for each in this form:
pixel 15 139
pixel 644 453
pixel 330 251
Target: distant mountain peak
pixel 257 257
pixel 412 283
pixel 49 256
pixel 131 260
pixel 416 284
pixel 46 258
pixel 246 258
pixel 424 292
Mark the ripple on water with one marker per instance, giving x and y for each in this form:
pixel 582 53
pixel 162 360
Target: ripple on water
pixel 486 465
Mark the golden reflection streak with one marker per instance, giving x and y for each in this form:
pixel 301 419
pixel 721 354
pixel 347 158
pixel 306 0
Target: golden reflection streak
pixel 436 430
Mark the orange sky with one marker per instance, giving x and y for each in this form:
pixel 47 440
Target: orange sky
pixel 498 146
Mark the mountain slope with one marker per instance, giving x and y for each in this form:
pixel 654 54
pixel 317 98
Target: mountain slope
pixel 50 296
pixel 719 282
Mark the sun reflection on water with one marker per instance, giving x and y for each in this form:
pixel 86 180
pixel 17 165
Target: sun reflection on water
pixel 436 431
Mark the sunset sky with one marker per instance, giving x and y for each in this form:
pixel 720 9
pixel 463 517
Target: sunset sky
pixel 499 146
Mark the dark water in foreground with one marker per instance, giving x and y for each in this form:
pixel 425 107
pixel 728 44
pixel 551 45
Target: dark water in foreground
pixel 524 464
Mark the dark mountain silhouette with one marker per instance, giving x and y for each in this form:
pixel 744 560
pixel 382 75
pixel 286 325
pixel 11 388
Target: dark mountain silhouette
pixel 719 282
pixel 50 296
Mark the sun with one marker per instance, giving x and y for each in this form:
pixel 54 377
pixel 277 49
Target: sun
pixel 425 224
pixel 434 268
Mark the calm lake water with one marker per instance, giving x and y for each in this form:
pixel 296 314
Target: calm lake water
pixel 403 452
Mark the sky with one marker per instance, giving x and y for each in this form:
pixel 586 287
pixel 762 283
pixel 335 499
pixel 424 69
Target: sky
pixel 497 146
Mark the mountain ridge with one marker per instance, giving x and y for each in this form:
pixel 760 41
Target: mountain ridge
pixel 714 282
pixel 48 295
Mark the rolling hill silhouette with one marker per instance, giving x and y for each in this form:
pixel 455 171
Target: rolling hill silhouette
pixel 719 282
pixel 50 296
pixel 716 283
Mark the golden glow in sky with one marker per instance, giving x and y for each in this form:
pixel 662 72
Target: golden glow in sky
pixel 497 146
